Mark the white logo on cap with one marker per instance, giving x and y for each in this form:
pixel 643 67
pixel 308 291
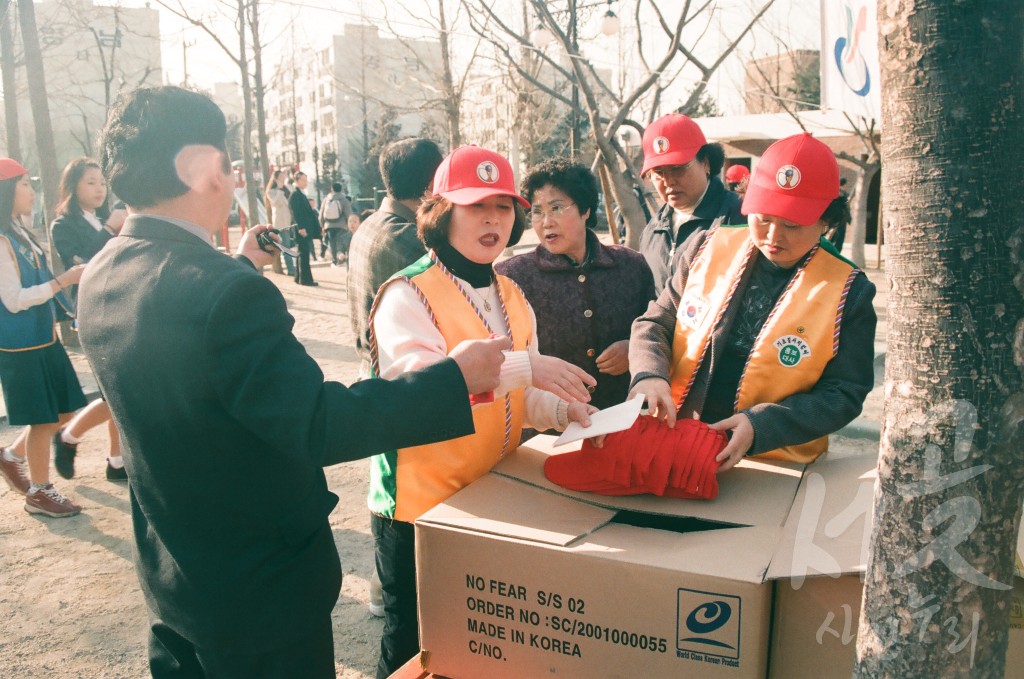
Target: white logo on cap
pixel 488 172
pixel 788 177
pixel 660 144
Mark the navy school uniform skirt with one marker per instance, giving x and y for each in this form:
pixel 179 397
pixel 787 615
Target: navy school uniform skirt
pixel 38 384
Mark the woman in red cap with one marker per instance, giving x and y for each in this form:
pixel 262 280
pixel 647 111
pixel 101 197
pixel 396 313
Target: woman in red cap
pixel 736 178
pixel 450 295
pixel 684 169
pixel 40 387
pixel 764 331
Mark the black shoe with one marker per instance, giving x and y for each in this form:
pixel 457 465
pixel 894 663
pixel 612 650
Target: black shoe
pixel 116 473
pixel 311 284
pixel 63 456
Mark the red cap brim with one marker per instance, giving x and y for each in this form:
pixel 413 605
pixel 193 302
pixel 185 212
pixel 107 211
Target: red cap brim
pixel 801 210
pixel 471 195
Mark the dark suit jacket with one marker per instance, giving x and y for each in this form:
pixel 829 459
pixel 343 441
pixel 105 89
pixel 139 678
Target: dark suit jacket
pixel 303 214
pixel 74 237
pixel 227 423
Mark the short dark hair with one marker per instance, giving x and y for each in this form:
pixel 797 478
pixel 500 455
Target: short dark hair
pixel 714 154
pixel 336 187
pixel 573 179
pixel 434 218
pixel 67 201
pixel 146 130
pixel 837 213
pixel 407 167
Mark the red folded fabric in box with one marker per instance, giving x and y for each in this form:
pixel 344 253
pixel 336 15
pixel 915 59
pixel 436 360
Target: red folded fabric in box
pixel 649 457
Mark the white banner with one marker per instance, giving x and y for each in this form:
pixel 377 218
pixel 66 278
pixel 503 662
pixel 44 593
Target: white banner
pixel 850 79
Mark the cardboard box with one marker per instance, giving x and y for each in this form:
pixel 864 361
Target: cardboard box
pixel 519 577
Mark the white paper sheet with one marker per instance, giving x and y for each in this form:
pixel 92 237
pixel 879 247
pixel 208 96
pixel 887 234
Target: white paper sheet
pixel 607 421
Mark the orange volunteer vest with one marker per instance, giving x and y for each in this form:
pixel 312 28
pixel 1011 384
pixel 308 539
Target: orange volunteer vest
pixel 406 483
pixel 799 338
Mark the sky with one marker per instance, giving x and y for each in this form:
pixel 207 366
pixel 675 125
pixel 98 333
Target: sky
pixel 790 24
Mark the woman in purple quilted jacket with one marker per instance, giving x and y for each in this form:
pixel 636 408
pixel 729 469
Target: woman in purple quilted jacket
pixel 585 294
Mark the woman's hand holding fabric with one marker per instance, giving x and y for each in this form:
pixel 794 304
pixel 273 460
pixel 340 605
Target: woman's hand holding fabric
pixel 658 394
pixel 741 438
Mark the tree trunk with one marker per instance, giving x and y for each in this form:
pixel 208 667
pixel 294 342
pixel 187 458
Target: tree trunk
pixel 453 102
pixel 251 192
pixel 48 170
pixel 857 235
pixel 950 478
pixel 257 76
pixel 7 66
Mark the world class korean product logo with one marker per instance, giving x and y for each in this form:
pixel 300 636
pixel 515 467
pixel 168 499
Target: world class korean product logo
pixel 708 627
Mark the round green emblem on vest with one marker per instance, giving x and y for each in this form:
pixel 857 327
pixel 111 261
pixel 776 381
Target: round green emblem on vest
pixel 792 350
pixel 789 356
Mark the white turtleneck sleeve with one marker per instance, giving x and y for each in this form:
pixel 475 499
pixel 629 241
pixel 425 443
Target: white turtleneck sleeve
pixel 407 339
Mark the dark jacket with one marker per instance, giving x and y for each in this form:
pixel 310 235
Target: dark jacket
pixel 303 215
pixel 582 310
pixel 834 401
pixel 227 424
pixel 385 244
pixel 75 239
pixel 656 243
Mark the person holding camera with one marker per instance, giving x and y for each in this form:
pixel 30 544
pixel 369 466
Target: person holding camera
pixel 227 422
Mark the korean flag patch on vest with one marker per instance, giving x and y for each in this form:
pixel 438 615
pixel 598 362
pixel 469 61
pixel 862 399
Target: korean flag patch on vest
pixel 792 350
pixel 692 310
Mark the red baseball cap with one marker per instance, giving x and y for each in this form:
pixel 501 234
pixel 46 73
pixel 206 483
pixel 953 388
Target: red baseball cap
pixel 469 174
pixel 796 179
pixel 736 173
pixel 672 139
pixel 10 168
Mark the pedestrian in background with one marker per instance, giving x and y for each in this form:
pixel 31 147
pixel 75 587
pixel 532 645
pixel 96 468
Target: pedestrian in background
pixel 277 194
pixel 307 227
pixel 41 389
pixel 78 234
pixel 334 213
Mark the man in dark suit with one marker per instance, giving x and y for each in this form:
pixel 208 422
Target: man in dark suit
pixel 227 422
pixel 307 223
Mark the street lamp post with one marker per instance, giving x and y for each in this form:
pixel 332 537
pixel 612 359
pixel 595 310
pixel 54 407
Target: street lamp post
pixel 542 37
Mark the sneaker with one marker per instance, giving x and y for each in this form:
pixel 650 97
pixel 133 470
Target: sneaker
pixel 116 473
pixel 14 471
pixel 376 604
pixel 63 456
pixel 49 502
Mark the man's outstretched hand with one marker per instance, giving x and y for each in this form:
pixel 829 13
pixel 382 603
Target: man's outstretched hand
pixel 480 362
